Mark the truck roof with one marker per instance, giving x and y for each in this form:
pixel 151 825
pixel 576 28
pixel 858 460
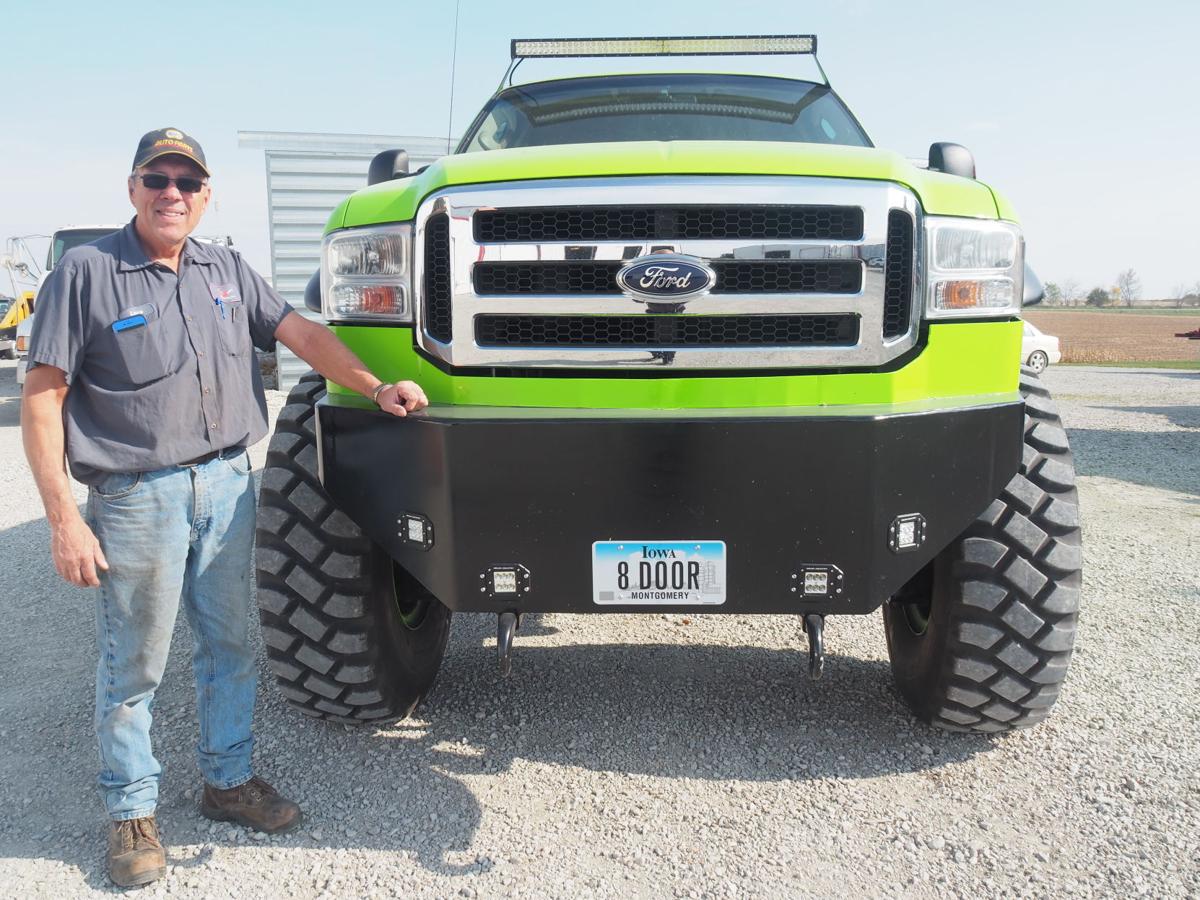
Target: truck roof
pixel 116 227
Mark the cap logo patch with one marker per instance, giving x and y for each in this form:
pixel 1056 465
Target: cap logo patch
pixel 172 133
pixel 187 148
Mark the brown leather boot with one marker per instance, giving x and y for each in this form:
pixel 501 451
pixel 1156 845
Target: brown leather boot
pixel 254 804
pixel 135 855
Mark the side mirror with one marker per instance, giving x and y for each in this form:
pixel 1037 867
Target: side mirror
pixel 953 159
pixel 1034 292
pixel 388 165
pixel 312 292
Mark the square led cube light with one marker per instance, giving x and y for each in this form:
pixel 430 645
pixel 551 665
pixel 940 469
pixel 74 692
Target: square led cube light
pixel 416 529
pixel 504 581
pixel 907 532
pixel 816 581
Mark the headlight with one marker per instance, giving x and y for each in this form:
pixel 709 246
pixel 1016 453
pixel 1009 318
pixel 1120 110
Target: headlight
pixel 366 274
pixel 976 268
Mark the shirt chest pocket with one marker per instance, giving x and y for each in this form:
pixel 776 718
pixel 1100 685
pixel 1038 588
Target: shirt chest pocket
pixel 232 328
pixel 138 353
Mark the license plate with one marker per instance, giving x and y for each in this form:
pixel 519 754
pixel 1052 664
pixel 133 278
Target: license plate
pixel 658 573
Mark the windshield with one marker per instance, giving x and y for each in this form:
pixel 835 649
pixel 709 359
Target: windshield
pixel 69 240
pixel 667 107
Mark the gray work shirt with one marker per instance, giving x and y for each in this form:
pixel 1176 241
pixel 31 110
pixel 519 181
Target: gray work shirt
pixel 159 365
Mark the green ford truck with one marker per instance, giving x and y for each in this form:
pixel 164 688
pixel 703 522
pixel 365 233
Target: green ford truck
pixel 691 344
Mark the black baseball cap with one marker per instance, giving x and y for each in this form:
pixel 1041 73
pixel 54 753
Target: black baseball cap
pixel 167 142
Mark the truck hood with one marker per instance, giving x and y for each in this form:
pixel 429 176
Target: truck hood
pixel 940 194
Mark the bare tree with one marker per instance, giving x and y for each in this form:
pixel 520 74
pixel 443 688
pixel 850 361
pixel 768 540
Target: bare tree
pixel 1179 295
pixel 1129 286
pixel 1072 291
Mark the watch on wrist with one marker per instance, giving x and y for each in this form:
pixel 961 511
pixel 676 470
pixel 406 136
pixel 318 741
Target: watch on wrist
pixel 379 389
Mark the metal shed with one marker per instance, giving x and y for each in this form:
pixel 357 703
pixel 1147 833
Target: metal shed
pixel 309 174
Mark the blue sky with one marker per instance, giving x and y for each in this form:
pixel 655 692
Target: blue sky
pixel 1082 113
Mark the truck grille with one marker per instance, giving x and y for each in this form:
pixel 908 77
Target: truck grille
pixel 898 276
pixel 809 272
pixel 436 289
pixel 655 331
pixel 662 223
pixel 819 276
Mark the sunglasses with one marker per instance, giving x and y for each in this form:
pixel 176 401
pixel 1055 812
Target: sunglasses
pixel 155 181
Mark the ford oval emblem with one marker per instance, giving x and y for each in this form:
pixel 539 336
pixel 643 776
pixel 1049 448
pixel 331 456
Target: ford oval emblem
pixel 666 277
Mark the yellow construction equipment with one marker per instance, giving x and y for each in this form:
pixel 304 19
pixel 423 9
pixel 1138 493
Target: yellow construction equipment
pixel 18 311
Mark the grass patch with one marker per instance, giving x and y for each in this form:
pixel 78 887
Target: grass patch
pixel 1187 364
pixel 1117 310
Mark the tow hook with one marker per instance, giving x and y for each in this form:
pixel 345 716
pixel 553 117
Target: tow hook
pixel 506 627
pixel 814 625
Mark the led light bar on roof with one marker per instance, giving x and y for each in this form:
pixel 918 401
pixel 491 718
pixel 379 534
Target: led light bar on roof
pixel 744 45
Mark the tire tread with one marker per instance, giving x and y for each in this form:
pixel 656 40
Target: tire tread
pixel 1016 575
pixel 320 623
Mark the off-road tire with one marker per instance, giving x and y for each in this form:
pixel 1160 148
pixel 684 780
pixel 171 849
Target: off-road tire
pixel 981 638
pixel 350 636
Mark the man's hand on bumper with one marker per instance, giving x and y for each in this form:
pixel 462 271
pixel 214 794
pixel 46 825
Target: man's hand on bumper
pixel 321 349
pixel 401 398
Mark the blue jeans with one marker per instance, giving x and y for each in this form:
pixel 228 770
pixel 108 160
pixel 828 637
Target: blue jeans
pixel 181 532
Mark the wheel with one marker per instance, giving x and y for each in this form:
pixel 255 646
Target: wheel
pixel 980 639
pixel 10 353
pixel 350 635
pixel 1038 360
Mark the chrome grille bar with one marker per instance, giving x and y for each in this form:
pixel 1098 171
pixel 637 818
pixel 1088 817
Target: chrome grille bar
pixel 460 207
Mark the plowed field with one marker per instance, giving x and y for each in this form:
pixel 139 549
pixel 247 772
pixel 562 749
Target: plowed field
pixel 1099 337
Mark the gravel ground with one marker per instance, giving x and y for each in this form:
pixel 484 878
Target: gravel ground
pixel 670 755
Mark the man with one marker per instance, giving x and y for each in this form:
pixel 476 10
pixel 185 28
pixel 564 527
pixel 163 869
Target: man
pixel 142 370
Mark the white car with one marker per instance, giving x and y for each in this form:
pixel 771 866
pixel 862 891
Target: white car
pixel 1038 350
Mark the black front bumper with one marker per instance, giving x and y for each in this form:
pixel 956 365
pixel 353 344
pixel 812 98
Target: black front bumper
pixel 783 490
